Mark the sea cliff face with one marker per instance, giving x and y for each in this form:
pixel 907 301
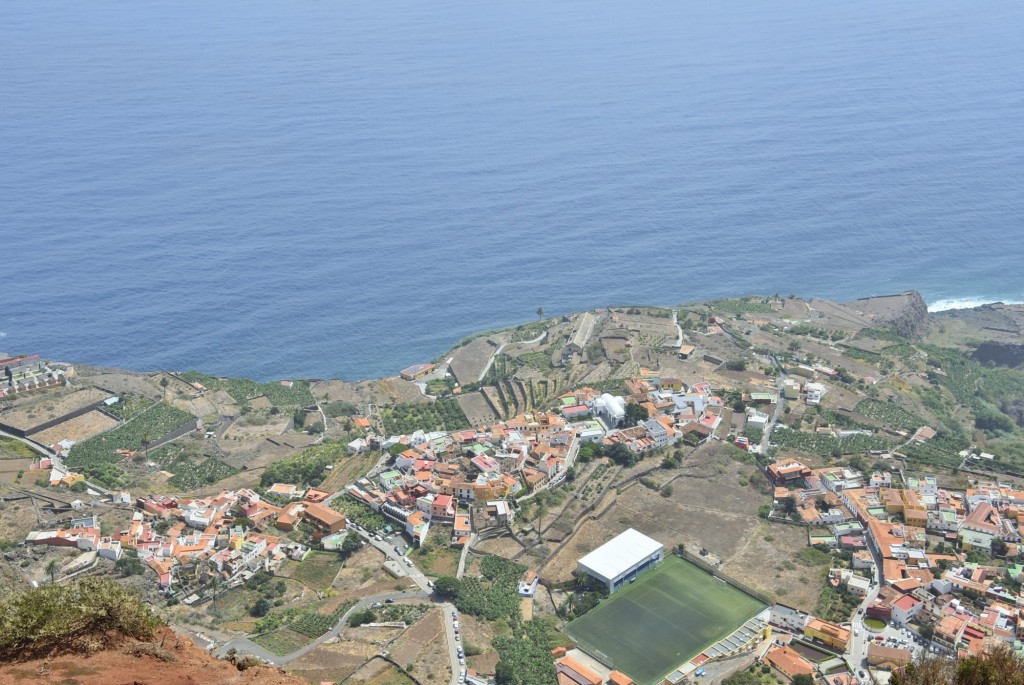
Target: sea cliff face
pixel 911 321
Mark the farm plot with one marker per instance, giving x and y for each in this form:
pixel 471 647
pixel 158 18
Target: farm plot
pixel 147 427
pixel 890 414
pixel 316 571
pixel 827 444
pixel 190 467
pixel 77 429
pixel 242 390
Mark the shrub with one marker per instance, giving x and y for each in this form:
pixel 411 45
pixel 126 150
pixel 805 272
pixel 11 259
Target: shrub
pixel 77 616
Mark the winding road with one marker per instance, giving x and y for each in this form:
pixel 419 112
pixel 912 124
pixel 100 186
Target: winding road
pixel 246 646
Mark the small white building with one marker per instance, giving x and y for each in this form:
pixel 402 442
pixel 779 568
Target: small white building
pixel 814 391
pixel 757 420
pixel 528 584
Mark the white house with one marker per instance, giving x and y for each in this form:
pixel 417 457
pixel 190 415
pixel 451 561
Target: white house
pixel 905 608
pixel 757 420
pixel 814 391
pixel 528 584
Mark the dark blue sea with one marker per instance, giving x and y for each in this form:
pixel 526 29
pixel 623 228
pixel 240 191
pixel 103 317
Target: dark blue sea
pixel 342 188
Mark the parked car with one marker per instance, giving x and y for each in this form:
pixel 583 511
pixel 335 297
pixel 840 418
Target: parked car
pixel 457 636
pixel 462 661
pixel 389 601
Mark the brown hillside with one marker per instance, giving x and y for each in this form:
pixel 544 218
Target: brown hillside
pixel 167 659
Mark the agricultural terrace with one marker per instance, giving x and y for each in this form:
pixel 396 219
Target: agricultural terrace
pixel 191 468
pixel 96 455
pixel 308 467
pixel 444 414
pixel 662 620
pixel 242 390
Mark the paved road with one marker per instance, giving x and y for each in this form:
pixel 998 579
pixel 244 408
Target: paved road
pixel 857 648
pixel 779 386
pixel 246 646
pixel 490 361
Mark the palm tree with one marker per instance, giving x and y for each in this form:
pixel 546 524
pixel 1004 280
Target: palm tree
pixel 146 439
pixel 52 569
pixel 540 312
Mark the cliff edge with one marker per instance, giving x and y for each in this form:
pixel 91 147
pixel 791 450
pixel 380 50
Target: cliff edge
pixel 906 314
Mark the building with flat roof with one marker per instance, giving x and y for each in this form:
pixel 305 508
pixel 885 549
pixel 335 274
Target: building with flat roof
pixel 620 560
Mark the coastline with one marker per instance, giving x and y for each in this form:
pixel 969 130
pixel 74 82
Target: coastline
pixel 941 306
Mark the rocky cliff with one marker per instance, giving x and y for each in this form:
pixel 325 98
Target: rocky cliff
pixel 906 313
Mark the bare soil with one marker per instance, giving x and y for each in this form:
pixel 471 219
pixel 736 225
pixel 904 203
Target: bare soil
pixel 33 410
pixel 168 659
pixel 708 507
pixel 76 429
pixel 424 644
pixel 768 562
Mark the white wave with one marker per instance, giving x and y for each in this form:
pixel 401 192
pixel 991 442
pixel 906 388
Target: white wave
pixel 965 303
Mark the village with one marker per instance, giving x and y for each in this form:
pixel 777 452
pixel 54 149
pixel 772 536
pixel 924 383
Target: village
pixel 915 532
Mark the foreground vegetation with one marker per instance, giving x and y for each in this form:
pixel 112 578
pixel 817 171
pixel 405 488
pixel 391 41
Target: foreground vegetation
pixel 83 616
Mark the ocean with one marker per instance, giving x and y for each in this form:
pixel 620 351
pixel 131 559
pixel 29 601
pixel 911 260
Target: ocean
pixel 340 189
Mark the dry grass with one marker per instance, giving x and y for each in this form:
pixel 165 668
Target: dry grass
pixel 708 507
pixel 767 562
pixel 425 645
pixel 77 429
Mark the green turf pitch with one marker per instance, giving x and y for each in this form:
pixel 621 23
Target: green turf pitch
pixel 663 619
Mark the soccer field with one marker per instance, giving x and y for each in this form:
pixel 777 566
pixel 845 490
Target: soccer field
pixel 662 620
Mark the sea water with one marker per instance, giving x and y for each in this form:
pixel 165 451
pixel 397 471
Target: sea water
pixel 339 189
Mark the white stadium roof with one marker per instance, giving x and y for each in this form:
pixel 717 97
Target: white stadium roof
pixel 620 554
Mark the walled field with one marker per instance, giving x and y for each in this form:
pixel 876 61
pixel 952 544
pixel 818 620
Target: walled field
pixel 77 429
pixel 662 620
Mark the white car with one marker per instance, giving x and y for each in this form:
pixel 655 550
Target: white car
pixel 462 661
pixel 457 638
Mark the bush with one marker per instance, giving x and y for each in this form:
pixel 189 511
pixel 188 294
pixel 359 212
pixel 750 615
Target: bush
pixel 260 608
pixel 71 617
pixel 363 617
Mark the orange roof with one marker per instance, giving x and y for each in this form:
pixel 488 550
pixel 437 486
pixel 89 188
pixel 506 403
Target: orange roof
pixel 789 662
pixel 326 516
pixel 585 673
pixel 619 678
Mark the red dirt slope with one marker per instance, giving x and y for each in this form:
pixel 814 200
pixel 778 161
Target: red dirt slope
pixel 167 659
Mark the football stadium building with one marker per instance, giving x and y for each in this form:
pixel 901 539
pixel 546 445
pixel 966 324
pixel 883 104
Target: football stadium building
pixel 620 560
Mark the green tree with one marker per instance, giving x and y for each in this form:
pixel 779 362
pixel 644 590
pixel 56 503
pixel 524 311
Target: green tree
pixel 635 414
pixel 52 568
pixel 260 608
pixel 361 618
pixel 129 564
pixel 447 586
pixel 736 365
pixel 351 544
pixel 622 455
pixel 540 312
pixel 999 548
pixel 803 679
